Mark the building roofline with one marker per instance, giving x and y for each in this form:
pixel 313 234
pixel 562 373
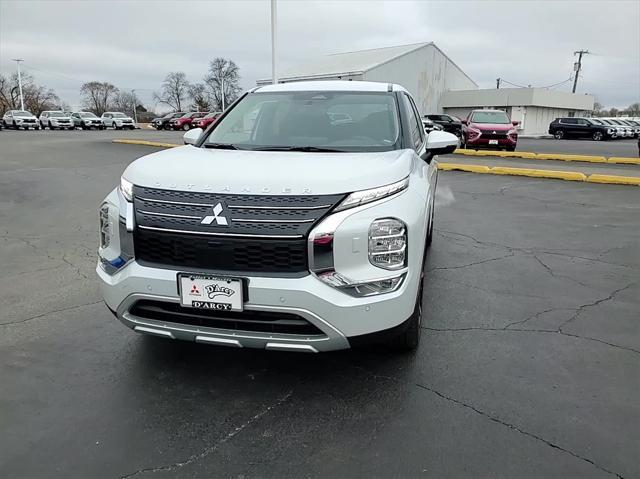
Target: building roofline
pixel 455 64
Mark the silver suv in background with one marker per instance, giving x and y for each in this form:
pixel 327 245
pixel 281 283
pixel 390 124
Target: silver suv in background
pixel 86 120
pixel 20 119
pixel 56 120
pixel 117 120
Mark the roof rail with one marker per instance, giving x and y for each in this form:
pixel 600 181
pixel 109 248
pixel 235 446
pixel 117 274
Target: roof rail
pixel 390 87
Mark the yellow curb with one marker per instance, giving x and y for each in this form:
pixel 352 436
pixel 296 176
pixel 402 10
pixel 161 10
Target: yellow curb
pixel 613 179
pixel 562 157
pixel 625 160
pixel 516 154
pixel 146 143
pixel 462 167
pixel 560 175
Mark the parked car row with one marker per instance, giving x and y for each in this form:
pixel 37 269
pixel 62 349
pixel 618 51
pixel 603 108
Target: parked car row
pixel 597 129
pixel 61 120
pixel 181 120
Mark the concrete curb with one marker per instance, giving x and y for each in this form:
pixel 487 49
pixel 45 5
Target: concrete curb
pixel 534 173
pixel 146 143
pixel 529 155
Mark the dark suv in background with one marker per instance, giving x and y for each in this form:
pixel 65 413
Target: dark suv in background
pixel 450 124
pixel 580 128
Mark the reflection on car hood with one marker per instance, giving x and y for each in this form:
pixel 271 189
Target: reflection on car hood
pixel 277 172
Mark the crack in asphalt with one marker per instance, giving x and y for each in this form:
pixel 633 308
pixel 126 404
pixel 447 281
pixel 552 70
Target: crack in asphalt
pixel 486 290
pixel 210 449
pixel 486 415
pixel 440 268
pixel 532 251
pixel 553 273
pixel 580 309
pixel 68 308
pixel 535 315
pixel 516 428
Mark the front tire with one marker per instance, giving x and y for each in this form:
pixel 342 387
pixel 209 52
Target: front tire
pixel 409 339
pixel 559 134
pixel 185 127
pixel 597 136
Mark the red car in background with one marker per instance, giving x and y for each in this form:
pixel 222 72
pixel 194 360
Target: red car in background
pixel 489 129
pixel 206 120
pixel 185 121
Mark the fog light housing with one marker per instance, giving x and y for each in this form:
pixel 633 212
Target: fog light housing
pixel 388 244
pixel 364 288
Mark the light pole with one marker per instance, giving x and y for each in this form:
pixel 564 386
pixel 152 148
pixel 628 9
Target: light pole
pixel 222 88
pixel 18 60
pixel 135 110
pixel 274 13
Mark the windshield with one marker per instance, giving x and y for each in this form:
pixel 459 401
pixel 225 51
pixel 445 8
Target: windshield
pixel 211 115
pixel 56 114
pixel 493 117
pixel 594 121
pixel 339 121
pixel 88 115
pixel 119 115
pixel 438 117
pixel 22 113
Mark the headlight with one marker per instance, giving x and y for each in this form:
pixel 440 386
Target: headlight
pixel 512 132
pixel 611 131
pixel 127 189
pixel 388 243
pixel 367 196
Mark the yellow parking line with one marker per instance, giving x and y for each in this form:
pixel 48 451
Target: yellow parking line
pixel 529 155
pixel 535 173
pixel 146 143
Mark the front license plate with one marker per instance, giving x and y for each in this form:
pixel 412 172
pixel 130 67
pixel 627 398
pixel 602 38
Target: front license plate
pixel 493 142
pixel 210 292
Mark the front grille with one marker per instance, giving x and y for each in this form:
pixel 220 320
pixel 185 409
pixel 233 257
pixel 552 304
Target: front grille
pixel 489 134
pixel 253 321
pixel 226 232
pixel 225 254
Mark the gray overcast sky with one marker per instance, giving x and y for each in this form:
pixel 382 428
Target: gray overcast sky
pixel 133 44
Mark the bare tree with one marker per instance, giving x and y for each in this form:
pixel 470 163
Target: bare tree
pixel 124 102
pixel 97 96
pixel 633 110
pixel 222 73
pixel 174 91
pixel 199 97
pixel 36 97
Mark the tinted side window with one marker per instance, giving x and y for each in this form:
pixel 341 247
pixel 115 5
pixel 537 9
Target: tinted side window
pixel 569 121
pixel 415 125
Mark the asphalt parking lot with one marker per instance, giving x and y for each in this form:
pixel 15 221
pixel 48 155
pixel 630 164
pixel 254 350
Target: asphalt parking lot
pixel 528 365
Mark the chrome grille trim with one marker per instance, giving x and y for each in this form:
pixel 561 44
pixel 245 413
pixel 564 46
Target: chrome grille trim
pixel 168 215
pixel 209 233
pixel 243 220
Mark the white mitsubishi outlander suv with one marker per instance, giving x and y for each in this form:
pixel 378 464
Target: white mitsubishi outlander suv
pixel 299 221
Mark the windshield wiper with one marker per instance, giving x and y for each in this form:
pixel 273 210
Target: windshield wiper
pixel 221 146
pixel 311 149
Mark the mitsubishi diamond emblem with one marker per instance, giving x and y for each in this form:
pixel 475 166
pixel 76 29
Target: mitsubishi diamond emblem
pixel 220 220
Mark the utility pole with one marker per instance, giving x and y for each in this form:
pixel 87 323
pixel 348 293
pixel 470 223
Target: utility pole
pixel 577 66
pixel 135 109
pixel 274 12
pixel 498 83
pixel 18 60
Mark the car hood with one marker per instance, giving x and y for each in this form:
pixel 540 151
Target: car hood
pixel 267 172
pixel 25 117
pixel 493 126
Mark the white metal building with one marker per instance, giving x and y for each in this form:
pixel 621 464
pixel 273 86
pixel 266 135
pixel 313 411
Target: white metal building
pixel 422 68
pixel 534 108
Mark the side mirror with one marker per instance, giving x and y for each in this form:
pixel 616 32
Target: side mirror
pixel 191 137
pixel 515 123
pixel 440 143
pixel 464 122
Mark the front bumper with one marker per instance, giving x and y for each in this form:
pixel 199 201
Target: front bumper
pixel 488 142
pixel 337 315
